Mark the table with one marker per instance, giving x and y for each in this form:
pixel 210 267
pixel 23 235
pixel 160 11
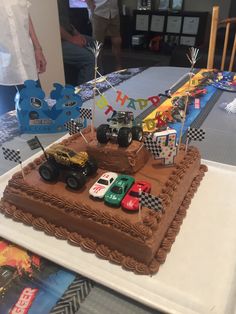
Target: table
pixel 151 82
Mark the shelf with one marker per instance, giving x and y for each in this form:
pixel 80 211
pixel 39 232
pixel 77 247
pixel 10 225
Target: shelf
pixel 184 27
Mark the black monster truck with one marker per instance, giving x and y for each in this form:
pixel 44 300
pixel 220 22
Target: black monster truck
pixel 121 129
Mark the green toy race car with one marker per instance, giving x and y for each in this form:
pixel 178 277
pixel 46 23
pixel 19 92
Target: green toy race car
pixel 118 189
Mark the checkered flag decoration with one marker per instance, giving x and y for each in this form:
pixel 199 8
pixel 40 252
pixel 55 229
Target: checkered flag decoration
pixel 152 145
pixel 34 143
pixel 86 113
pixel 11 154
pixel 72 126
pixel 151 201
pixel 195 134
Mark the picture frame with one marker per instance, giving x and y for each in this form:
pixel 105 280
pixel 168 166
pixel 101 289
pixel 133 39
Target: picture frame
pixel 157 23
pixel 174 24
pixel 142 22
pixel 144 5
pixel 190 25
pixel 177 5
pixel 188 41
pixel 164 5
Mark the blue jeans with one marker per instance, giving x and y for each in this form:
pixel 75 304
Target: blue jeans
pixel 7 97
pixel 81 58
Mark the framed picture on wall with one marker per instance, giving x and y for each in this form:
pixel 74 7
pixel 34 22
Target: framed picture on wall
pixel 142 22
pixel 163 5
pixel 190 25
pixel 187 41
pixel 144 5
pixel 157 23
pixel 177 5
pixel 174 24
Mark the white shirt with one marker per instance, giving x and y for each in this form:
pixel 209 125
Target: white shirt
pixel 106 8
pixel 17 58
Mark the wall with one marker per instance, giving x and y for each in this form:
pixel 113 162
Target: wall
pixel 203 5
pixel 44 15
pixel 190 5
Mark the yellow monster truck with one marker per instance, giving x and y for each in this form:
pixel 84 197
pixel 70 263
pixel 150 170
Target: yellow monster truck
pixel 67 165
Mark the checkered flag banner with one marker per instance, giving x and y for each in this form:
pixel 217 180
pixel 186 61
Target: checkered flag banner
pixel 151 201
pixel 86 113
pixel 195 134
pixel 11 154
pixel 72 126
pixel 152 145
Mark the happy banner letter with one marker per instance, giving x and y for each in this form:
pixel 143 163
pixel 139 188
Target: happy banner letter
pixel 154 100
pixel 109 109
pixel 120 98
pixel 142 103
pixel 102 102
pixel 131 104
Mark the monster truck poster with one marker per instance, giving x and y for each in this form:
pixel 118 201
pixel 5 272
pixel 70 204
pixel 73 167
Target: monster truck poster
pixel 29 283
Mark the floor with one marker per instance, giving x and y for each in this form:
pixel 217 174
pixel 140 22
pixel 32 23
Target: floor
pixel 133 58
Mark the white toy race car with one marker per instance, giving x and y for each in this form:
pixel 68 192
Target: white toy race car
pixel 100 187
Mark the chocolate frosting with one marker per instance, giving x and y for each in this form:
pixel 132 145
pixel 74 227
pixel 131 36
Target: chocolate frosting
pixel 154 234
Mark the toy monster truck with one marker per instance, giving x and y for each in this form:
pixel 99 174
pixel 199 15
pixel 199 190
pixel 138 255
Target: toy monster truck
pixel 67 165
pixel 121 128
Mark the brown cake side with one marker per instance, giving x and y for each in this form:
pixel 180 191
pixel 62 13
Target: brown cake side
pixel 111 233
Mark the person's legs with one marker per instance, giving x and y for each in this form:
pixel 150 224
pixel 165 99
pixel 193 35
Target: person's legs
pixel 100 26
pixel 80 57
pixel 114 32
pixel 116 50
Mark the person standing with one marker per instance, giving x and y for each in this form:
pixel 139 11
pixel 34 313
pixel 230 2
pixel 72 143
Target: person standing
pixel 21 55
pixel 75 45
pixel 105 19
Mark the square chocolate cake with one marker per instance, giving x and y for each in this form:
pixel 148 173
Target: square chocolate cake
pixel 137 242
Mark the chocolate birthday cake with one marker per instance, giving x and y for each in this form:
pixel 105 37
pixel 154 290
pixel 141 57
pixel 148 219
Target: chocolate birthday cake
pixel 137 243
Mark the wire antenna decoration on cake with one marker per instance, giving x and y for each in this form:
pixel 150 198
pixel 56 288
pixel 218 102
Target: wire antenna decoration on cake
pixel 192 57
pixel 95 50
pixel 13 155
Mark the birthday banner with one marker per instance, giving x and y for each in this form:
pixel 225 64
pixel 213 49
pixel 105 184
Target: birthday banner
pixel 200 89
pixel 123 101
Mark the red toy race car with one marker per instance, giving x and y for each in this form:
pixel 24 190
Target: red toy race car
pixel 131 199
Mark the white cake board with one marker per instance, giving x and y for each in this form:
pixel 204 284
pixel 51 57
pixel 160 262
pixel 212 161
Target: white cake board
pixel 198 276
